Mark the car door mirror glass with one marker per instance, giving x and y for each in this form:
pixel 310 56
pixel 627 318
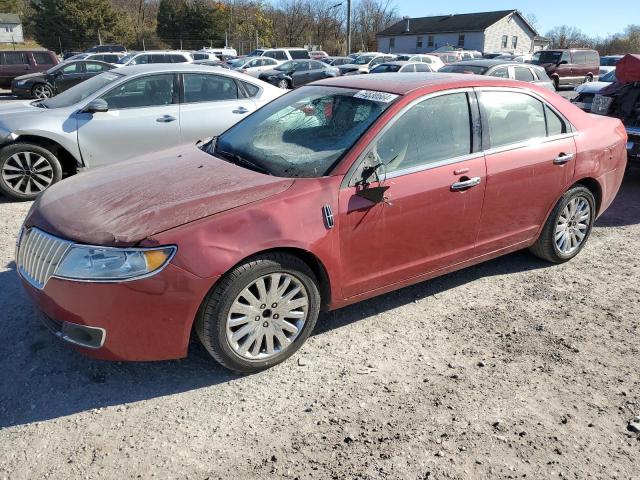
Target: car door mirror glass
pixel 96 106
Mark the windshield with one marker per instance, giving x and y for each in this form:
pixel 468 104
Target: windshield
pixel 255 53
pixel 609 77
pixel 290 65
pixel 58 67
pixel 386 68
pixel 609 61
pixel 546 56
pixel 461 68
pixel 81 91
pixel 126 58
pixel 363 59
pixel 237 62
pixel 303 133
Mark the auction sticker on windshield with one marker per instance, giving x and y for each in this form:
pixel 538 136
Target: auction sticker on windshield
pixel 374 96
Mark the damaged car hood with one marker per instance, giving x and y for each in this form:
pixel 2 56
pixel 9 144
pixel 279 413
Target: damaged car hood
pixel 124 204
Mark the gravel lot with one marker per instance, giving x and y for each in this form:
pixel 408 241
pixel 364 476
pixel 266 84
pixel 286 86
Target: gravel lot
pixel 510 369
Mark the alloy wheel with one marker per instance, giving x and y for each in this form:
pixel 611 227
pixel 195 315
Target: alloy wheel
pixel 27 173
pixel 267 316
pixel 42 91
pixel 573 225
pixel 283 84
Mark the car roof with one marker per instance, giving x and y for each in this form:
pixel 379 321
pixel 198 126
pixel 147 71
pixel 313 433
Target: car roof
pixel 405 83
pixel 399 62
pixel 175 68
pixel 485 62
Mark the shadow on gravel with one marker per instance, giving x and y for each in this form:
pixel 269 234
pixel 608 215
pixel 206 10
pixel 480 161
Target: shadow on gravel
pixel 42 379
pixel 625 209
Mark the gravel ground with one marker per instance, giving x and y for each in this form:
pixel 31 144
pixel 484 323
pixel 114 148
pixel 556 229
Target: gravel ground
pixel 510 369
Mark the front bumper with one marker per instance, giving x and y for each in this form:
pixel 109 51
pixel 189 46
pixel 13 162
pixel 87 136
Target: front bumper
pixel 141 320
pixel 24 92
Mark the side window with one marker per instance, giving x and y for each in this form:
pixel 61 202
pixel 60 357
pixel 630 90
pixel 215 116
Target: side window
pixel 178 59
pixel 141 60
pixel 302 67
pixel 151 91
pixel 422 67
pixel 200 87
pixel 42 58
pixel 566 57
pixel 270 54
pixel 523 74
pixel 95 68
pixel 435 129
pixel 555 125
pixel 512 117
pixel 316 65
pixel 15 58
pixel 71 69
pixel 501 72
pixel 250 88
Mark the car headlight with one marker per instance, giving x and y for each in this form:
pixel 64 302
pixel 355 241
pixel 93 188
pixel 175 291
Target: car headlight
pixel 112 264
pixel 21 83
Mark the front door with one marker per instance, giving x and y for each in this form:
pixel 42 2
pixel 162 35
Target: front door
pixel 302 74
pixel 212 103
pixel 143 117
pixel 530 161
pixel 430 217
pixel 69 76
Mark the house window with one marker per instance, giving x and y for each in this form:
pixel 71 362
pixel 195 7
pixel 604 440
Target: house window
pixel 392 43
pixel 8 28
pixel 461 40
pixel 419 42
pixel 430 41
pixel 514 41
pixel 505 39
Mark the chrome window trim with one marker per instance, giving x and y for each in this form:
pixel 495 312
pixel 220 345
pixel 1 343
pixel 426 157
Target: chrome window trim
pixel 528 143
pixel 346 182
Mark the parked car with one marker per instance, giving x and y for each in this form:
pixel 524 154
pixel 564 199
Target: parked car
pixel 106 49
pixel 57 79
pixel 15 63
pixel 213 63
pixel 254 66
pixel 381 189
pixel 155 56
pixel 569 67
pixel 608 63
pixel 101 57
pixel 449 57
pixel 402 67
pixel 621 100
pixel 318 54
pixel 523 72
pixel 204 56
pixel 222 53
pixel 336 61
pixel 433 60
pixel 587 91
pixel 295 73
pixel 281 54
pixel 119 115
pixel 365 62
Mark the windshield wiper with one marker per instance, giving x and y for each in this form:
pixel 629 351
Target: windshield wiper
pixel 238 160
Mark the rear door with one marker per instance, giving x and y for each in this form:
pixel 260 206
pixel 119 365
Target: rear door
pixel 210 105
pixel 143 117
pixel 302 74
pixel 530 155
pixel 436 177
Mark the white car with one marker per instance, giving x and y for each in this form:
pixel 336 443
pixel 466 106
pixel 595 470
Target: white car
pixel 434 62
pixel 120 115
pixel 365 62
pixel 254 66
pixel 227 51
pixel 155 56
pixel 282 54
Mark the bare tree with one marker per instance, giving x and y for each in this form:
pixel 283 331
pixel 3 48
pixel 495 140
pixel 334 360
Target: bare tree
pixel 566 36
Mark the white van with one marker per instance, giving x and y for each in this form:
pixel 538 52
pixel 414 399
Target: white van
pixel 282 54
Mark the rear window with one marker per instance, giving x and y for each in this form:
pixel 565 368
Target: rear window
pixel 523 74
pixel 460 68
pixel 42 58
pixel 298 54
pixel 608 61
pixel 385 68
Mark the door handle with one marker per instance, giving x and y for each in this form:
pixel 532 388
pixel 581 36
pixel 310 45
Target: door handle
pixel 241 110
pixel 563 158
pixel 464 184
pixel 165 119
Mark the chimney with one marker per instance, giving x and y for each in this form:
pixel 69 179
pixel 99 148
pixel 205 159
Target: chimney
pixel 408 26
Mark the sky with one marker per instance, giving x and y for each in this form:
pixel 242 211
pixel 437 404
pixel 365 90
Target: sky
pixel 593 17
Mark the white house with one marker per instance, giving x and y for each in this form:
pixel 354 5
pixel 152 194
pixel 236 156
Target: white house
pixel 502 31
pixel 10 28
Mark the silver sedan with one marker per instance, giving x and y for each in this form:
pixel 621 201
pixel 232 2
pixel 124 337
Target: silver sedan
pixel 117 116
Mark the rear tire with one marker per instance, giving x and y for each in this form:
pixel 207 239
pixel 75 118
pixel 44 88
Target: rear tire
pixel 568 227
pixel 248 322
pixel 26 170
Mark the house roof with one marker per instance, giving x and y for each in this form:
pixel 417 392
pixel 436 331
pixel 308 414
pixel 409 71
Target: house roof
pixel 10 18
pixel 465 22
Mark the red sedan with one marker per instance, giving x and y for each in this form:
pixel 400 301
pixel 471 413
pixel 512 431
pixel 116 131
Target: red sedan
pixel 331 194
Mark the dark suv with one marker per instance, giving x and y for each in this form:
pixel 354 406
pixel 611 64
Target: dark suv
pixel 569 67
pixel 106 49
pixel 22 62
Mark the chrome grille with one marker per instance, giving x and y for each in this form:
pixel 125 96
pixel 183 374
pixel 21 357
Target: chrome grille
pixel 39 254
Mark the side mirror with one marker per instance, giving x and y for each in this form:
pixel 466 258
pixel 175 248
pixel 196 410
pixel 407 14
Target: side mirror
pixel 373 194
pixel 96 106
pixel 563 62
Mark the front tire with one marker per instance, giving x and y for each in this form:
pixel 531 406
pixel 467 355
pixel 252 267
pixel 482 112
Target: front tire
pixel 26 170
pixel 568 227
pixel 260 313
pixel 284 84
pixel 41 91
pixel 588 79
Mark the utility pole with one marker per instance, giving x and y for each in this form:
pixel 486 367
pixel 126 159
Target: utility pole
pixel 348 27
pixel 99 38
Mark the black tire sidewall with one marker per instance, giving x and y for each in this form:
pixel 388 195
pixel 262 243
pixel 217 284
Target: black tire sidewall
pixel 570 195
pixel 9 150
pixel 33 89
pixel 217 311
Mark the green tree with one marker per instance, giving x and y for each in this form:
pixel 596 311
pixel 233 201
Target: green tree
pixel 11 6
pixel 77 24
pixel 191 24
